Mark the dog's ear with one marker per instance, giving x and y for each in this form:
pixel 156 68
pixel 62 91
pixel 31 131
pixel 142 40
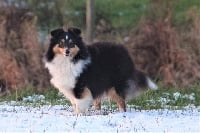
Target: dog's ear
pixel 55 33
pixel 75 31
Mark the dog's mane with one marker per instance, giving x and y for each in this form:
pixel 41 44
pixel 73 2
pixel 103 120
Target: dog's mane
pixel 83 54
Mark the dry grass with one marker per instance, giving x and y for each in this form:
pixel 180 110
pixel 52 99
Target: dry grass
pixel 165 52
pixel 20 52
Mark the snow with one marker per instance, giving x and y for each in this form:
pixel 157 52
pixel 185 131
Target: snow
pixel 59 118
pixel 34 98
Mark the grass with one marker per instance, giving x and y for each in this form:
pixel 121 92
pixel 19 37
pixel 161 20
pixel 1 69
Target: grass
pixel 163 98
pixel 28 96
pixel 167 98
pixel 119 13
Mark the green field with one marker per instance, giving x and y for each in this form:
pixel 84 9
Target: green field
pixel 163 98
pixel 119 14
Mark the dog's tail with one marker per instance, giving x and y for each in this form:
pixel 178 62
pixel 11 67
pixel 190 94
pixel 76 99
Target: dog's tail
pixel 144 81
pixel 151 84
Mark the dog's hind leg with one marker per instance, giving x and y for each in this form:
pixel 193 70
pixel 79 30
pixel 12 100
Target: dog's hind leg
pixel 118 99
pixel 97 103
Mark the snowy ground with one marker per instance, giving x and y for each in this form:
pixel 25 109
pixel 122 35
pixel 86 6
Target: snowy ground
pixel 61 119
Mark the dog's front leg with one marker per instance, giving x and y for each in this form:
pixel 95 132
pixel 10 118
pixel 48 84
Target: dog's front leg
pixel 68 93
pixel 83 102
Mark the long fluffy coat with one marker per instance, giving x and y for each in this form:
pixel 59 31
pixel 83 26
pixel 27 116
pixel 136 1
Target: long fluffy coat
pixel 86 72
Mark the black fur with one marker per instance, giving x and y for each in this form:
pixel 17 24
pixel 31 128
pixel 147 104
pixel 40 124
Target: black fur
pixel 111 66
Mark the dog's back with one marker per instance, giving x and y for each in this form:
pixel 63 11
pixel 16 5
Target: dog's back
pixel 111 66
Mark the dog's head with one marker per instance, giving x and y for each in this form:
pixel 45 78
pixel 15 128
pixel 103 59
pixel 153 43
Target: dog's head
pixel 64 42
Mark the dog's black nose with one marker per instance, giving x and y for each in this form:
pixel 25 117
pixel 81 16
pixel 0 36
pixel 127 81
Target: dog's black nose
pixel 67 52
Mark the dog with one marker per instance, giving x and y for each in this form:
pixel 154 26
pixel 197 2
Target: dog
pixel 84 73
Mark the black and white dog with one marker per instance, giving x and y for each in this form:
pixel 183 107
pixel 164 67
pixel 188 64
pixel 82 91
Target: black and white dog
pixel 84 73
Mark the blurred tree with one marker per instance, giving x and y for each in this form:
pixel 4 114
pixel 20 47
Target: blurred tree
pixel 90 20
pixel 52 14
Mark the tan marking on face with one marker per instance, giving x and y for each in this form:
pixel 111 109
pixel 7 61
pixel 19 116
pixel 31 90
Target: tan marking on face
pixel 74 51
pixel 119 100
pixel 58 50
pixel 63 40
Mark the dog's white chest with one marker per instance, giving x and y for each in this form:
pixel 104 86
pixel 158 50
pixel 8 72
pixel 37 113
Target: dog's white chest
pixel 64 72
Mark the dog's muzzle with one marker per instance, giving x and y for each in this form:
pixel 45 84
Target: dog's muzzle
pixel 67 52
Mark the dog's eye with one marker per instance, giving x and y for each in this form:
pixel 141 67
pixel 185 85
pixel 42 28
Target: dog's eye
pixel 71 45
pixel 61 44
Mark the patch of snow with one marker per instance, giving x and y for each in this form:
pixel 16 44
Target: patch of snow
pixel 164 101
pixel 190 97
pixel 34 98
pixel 59 118
pixel 177 95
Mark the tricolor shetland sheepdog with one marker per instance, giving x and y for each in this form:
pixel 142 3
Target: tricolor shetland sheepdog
pixel 84 73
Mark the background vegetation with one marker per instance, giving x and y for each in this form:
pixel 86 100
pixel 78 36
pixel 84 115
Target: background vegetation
pixel 163 36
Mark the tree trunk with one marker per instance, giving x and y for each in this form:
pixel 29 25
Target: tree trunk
pixel 90 20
